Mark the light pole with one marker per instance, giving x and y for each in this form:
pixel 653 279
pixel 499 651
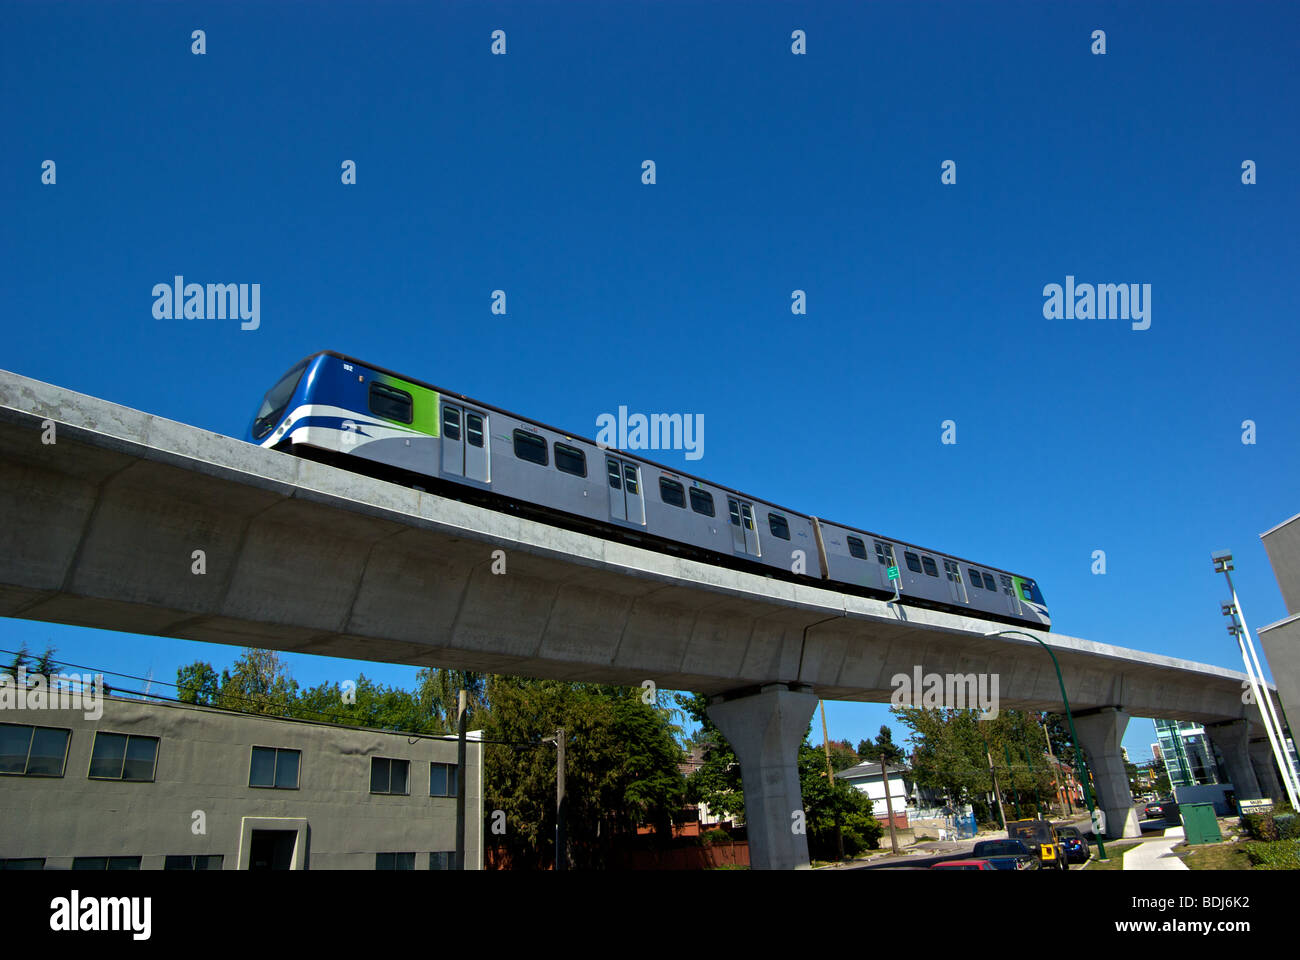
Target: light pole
pixel 1237 628
pixel 1078 751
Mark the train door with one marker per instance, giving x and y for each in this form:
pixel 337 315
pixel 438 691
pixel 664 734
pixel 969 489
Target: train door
pixel 626 500
pixel 1009 594
pixel 477 451
pixel 453 442
pixel 744 535
pixel 465 451
pixel 885 560
pixel 955 585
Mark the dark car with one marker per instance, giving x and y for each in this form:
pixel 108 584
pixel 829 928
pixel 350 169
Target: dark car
pixel 1006 854
pixel 1074 844
pixel 1160 809
pixel 963 865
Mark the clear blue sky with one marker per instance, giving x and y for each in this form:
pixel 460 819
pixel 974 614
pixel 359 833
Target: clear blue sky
pixel 775 173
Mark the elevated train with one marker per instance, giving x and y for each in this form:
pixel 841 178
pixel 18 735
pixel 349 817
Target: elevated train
pixel 338 410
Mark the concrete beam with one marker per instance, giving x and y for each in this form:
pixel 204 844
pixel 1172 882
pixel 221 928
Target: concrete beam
pixel 1100 734
pixel 1265 767
pixel 765 730
pixel 99 529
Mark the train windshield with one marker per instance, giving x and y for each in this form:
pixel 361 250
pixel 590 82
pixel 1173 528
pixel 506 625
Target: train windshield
pixel 276 400
pixel 1031 592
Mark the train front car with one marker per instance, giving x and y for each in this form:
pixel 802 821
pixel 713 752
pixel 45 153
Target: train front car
pixel 1032 604
pixel 329 407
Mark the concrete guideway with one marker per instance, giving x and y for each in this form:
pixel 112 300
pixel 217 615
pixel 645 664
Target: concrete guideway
pixel 100 529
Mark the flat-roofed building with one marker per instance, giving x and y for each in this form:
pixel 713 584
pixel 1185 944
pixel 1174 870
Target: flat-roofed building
pixel 155 785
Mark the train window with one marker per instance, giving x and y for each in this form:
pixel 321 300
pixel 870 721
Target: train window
pixel 988 583
pixel 931 568
pixel 702 501
pixel 672 493
pixel 975 576
pixel 474 429
pixel 735 512
pixel 614 475
pixel 451 423
pixel 570 460
pixel 747 515
pixel 857 548
pixel 530 447
pixel 389 403
pixel 913 561
pixel 779 526
pixel 884 553
pixel 629 478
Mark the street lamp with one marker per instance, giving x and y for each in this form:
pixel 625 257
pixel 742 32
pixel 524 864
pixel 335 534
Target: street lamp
pixel 1238 630
pixel 1078 751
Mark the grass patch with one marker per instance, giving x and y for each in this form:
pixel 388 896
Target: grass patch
pixel 1115 851
pixel 1214 856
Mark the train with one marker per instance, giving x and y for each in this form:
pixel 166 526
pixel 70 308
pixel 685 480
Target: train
pixel 335 409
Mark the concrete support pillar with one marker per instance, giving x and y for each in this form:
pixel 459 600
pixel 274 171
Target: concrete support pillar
pixel 1233 740
pixel 1100 733
pixel 765 730
pixel 1261 759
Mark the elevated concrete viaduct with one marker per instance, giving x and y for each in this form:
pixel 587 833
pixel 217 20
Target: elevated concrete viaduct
pixel 100 528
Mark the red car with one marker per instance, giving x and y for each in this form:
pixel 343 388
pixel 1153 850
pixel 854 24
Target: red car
pixel 963 865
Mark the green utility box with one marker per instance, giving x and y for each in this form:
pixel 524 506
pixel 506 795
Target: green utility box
pixel 1199 823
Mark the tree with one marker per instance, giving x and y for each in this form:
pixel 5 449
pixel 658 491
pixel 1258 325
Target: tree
pixel 198 683
pixel 20 661
pixel 717 781
pixel 621 767
pixel 829 803
pixel 259 683
pixel 438 693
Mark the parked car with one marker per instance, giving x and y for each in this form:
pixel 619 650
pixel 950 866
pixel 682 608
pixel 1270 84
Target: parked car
pixel 1040 838
pixel 1006 854
pixel 963 865
pixel 1073 843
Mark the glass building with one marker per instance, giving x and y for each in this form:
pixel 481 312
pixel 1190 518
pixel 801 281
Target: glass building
pixel 1189 755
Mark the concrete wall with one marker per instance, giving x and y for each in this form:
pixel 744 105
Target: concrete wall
pixel 203 765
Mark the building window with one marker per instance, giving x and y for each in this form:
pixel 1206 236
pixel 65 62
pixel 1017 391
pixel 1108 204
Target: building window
pixel 443 780
pixel 702 501
pixel 672 493
pixel 442 860
pixel 33 751
pixel 275 767
pixel 913 561
pixel 570 460
pixel 389 776
pixel 530 447
pixel 117 756
pixel 394 861
pixel 779 526
pixel 389 403
pixel 200 862
pixel 857 548
pixel 23 863
pixel 105 863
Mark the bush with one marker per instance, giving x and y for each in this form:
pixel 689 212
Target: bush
pixel 716 835
pixel 1288 826
pixel 1280 855
pixel 1262 827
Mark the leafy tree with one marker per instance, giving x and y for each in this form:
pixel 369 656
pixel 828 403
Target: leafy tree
pixel 717 781
pixel 621 766
pixel 198 683
pixel 438 693
pixel 829 803
pixel 259 683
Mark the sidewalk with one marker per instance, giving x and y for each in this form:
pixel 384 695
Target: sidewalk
pixel 1156 854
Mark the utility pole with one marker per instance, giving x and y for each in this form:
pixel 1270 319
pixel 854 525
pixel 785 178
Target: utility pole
pixel 561 855
pixel 461 717
pixel 889 804
pixel 830 781
pixel 1015 794
pixel 996 792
